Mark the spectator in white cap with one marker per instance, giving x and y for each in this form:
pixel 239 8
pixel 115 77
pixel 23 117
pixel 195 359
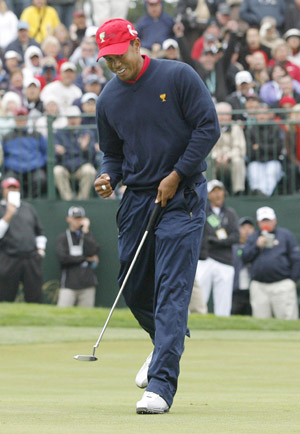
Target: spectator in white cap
pixel 244 84
pixel 8 25
pixel 12 60
pixel 50 107
pixel 292 37
pixel 77 251
pixel 32 57
pixel 88 108
pixel 10 102
pixel 76 157
pixel 170 50
pixel 64 89
pixel 215 274
pixel 274 255
pixel 22 41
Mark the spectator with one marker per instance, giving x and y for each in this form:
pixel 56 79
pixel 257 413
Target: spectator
pixel 195 17
pixel 78 28
pixel 88 107
pixel 85 54
pixel 16 83
pixel 210 37
pixel 64 9
pixel 75 157
pixel 42 20
pixel 229 152
pixel 253 11
pixel 155 26
pixel 274 256
pixel 64 89
pixel 268 32
pixel 292 17
pixel 23 41
pixel 12 60
pixel 8 25
pixel 51 48
pixel 264 170
pixel 77 251
pixel 32 56
pixel 49 71
pixel 211 67
pixel 216 272
pixel 4 79
pixel 258 69
pixel 292 37
pixel 292 148
pixel 252 44
pixel 92 83
pixel 66 45
pixel 25 156
pixel 104 10
pixel 286 85
pixel 10 102
pixel 241 282
pixel 271 91
pixel 22 246
pixel 51 108
pixel 280 54
pixel 244 86
pixel 170 50
pixel 32 101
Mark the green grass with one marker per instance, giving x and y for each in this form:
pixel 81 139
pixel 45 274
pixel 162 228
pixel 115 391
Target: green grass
pixel 233 379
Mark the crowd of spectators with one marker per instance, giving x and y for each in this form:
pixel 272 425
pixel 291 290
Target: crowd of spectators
pixel 246 52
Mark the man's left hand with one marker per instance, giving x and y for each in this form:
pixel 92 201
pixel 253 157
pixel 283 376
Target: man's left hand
pixel 167 188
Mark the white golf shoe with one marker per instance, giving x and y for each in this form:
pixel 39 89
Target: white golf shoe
pixel 151 403
pixel 141 379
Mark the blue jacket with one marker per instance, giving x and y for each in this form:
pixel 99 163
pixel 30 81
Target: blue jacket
pixel 74 156
pixel 151 31
pixel 24 151
pixel 268 265
pixel 253 11
pixel 165 121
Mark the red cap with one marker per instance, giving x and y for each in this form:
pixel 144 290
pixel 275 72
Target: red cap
pixel 8 182
pixel 79 13
pixel 114 36
pixel 20 111
pixel 287 100
pixel 153 2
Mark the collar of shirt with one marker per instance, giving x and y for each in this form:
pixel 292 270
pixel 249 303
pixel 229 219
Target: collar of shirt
pixel 144 68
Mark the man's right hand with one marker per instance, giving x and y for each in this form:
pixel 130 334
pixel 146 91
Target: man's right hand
pixel 102 186
pixel 10 212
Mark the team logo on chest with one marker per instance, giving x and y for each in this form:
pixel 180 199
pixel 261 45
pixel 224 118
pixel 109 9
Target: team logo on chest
pixel 163 97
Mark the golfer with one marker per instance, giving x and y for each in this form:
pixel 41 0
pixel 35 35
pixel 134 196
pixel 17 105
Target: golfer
pixel 156 124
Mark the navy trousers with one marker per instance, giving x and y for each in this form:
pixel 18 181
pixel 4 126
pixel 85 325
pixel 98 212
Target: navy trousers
pixel 159 288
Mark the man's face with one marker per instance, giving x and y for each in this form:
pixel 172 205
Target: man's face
pixel 88 50
pixel 32 92
pixel 35 60
pixel 224 117
pixel 294 42
pixel 93 87
pixel 7 189
pixel 74 121
pixel 271 224
pixel 89 106
pixel 39 3
pixel 281 53
pixel 245 230
pixel 128 65
pixel 21 121
pixel 217 197
pixel 258 61
pixel 23 36
pixel 67 77
pixel 252 38
pixel 154 10
pixel 12 64
pixel 244 88
pixel 208 61
pixel 75 223
pixel 286 85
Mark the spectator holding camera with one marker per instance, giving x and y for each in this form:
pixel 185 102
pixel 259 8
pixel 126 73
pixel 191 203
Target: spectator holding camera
pixel 22 246
pixel 274 255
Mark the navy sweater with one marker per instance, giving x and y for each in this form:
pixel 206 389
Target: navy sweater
pixel 280 262
pixel 164 121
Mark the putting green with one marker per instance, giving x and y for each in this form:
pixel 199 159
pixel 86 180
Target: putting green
pixel 231 382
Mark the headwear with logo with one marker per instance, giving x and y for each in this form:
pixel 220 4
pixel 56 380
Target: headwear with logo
pixel 243 77
pixel 265 212
pixel 114 37
pixel 214 183
pixel 76 211
pixel 10 181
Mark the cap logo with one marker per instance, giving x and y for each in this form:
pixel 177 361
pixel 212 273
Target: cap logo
pixel 102 37
pixel 131 30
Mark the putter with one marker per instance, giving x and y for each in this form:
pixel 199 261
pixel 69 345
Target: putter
pixel 152 219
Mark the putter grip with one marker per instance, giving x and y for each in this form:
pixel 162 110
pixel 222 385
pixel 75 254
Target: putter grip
pixel 153 216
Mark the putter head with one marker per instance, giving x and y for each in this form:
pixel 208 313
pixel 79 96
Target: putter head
pixel 84 358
